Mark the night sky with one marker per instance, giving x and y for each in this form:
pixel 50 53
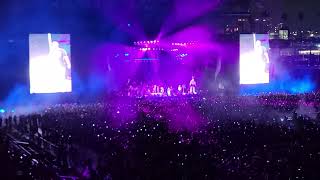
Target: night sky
pixel 276 8
pixel 310 9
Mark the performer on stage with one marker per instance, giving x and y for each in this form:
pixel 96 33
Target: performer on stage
pixel 156 90
pixel 184 87
pixel 162 91
pixel 130 89
pixel 192 85
pixel 169 91
pixel 179 90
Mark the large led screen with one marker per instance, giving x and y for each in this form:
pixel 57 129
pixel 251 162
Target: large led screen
pixel 254 58
pixel 49 63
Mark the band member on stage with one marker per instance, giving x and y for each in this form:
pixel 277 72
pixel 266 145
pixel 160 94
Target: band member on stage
pixel 169 91
pixel 179 89
pixel 192 85
pixel 130 89
pixel 184 89
pixel 154 89
pixel 162 91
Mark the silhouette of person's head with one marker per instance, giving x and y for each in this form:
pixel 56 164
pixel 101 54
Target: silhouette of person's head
pixel 55 45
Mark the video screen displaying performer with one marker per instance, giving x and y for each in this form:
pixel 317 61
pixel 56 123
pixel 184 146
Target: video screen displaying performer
pixel 254 58
pixel 49 63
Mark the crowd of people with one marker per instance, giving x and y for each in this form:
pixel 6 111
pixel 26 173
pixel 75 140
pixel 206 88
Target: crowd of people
pixel 225 137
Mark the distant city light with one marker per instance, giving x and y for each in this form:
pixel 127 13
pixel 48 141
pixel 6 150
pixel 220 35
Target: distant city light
pixel 306 52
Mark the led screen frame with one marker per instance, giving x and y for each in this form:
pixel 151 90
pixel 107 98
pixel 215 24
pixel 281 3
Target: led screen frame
pixel 50 63
pixel 254 59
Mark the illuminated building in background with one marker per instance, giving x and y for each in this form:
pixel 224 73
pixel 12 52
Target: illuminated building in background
pixel 284 34
pixel 261 19
pixel 296 52
pixel 239 22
